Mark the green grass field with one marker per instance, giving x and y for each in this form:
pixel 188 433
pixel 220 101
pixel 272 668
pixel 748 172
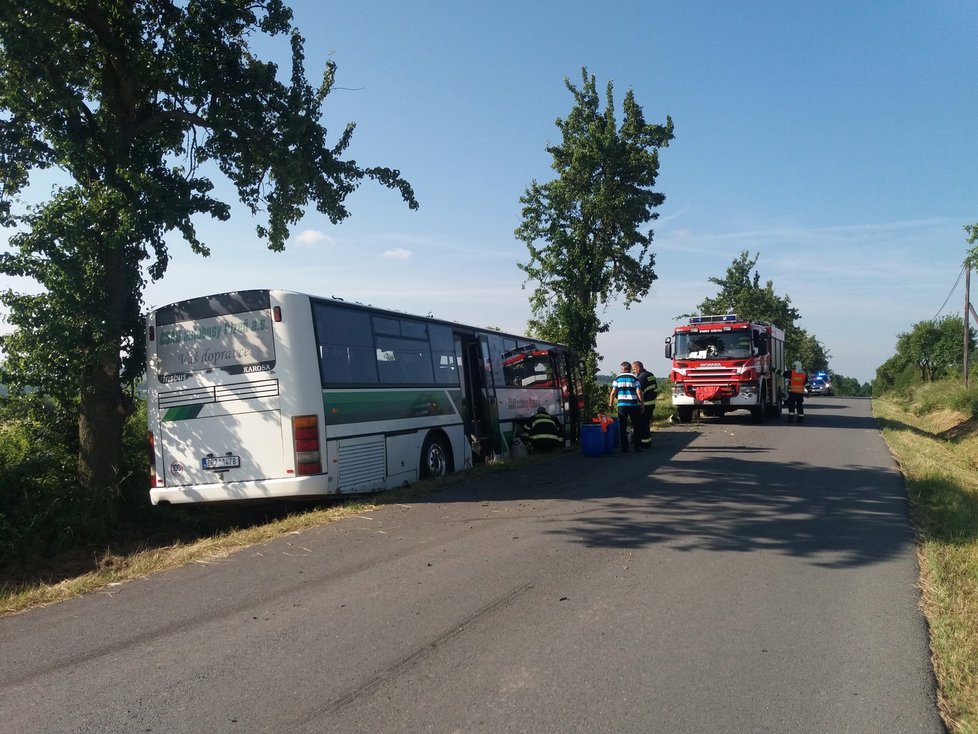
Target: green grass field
pixel 933 436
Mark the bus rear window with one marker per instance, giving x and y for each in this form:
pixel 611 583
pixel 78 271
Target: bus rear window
pixel 234 343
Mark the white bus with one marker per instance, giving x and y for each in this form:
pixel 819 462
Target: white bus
pixel 265 394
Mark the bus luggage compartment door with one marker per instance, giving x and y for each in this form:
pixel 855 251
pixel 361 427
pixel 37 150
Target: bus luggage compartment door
pixel 223 448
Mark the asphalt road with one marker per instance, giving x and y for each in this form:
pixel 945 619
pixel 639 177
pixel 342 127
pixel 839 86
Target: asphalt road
pixel 735 578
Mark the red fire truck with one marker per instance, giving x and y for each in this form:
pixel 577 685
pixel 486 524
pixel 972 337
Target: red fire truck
pixel 724 363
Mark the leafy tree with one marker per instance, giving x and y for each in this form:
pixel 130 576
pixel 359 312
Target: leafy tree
pixel 741 293
pixel 138 102
pixel 896 374
pixel 935 347
pixel 850 386
pixel 584 229
pixel 971 261
pixel 808 350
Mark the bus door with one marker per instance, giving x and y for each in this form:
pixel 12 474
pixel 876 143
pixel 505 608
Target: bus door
pixel 478 394
pixel 571 392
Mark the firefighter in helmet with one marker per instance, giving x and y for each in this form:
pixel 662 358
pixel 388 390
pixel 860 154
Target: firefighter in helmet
pixel 797 379
pixel 648 387
pixel 544 431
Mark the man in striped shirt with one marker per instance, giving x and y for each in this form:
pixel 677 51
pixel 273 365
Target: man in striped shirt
pixel 627 390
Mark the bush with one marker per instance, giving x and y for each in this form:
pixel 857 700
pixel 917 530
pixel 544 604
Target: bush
pixel 134 479
pixel 43 511
pixel 896 377
pixel 38 499
pixel 950 394
pixel 967 400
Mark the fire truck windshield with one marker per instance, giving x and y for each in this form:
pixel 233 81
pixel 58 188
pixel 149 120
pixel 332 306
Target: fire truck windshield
pixel 713 345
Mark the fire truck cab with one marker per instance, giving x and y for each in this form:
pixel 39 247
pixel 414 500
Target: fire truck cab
pixel 724 363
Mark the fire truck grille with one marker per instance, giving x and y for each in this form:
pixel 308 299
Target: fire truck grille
pixel 705 375
pixel 719 382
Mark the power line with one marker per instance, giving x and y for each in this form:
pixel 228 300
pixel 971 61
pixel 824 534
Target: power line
pixel 953 287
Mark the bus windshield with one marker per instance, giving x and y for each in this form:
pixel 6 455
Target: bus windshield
pixel 734 344
pixel 528 369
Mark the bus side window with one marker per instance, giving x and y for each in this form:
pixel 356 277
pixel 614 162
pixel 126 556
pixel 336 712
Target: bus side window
pixel 443 355
pixel 346 350
pixel 388 367
pixel 495 366
pixel 404 361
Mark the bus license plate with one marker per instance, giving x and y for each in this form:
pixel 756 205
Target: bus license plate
pixel 221 462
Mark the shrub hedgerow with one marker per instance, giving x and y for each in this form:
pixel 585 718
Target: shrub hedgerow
pixel 948 394
pixel 37 496
pixel 967 400
pixel 42 509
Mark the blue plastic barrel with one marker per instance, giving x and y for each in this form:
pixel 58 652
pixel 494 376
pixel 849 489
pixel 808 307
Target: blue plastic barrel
pixel 611 436
pixel 592 439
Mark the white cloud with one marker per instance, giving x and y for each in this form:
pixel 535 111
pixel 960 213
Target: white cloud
pixel 312 237
pixel 398 254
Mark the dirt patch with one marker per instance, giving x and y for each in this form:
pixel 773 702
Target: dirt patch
pixel 953 425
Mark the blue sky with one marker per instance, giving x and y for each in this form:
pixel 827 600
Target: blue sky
pixel 837 140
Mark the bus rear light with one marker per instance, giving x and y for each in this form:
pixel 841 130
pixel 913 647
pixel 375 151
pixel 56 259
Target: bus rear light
pixel 305 442
pixel 307 462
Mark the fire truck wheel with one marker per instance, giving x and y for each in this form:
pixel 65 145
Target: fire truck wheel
pixel 685 413
pixel 758 410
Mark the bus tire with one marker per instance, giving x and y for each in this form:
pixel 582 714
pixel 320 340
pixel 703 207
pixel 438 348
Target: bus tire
pixel 436 457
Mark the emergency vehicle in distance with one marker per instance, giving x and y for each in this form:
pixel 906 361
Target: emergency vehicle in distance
pixel 819 384
pixel 724 363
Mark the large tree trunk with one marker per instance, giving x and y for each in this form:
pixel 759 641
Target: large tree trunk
pixel 101 418
pixel 103 409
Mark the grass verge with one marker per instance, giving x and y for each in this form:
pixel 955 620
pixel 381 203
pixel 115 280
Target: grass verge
pixel 73 574
pixel 110 567
pixel 940 463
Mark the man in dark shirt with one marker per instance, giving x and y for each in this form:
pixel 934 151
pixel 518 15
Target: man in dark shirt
pixel 648 390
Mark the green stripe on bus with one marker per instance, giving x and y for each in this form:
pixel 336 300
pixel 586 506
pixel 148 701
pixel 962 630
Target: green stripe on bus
pixel 379 405
pixel 183 413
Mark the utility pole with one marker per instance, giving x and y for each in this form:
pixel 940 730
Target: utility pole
pixel 967 329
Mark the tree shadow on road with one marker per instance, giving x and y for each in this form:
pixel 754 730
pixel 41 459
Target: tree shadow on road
pixel 847 516
pixel 728 499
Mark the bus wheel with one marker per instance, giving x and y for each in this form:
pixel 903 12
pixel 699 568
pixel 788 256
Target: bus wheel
pixel 436 458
